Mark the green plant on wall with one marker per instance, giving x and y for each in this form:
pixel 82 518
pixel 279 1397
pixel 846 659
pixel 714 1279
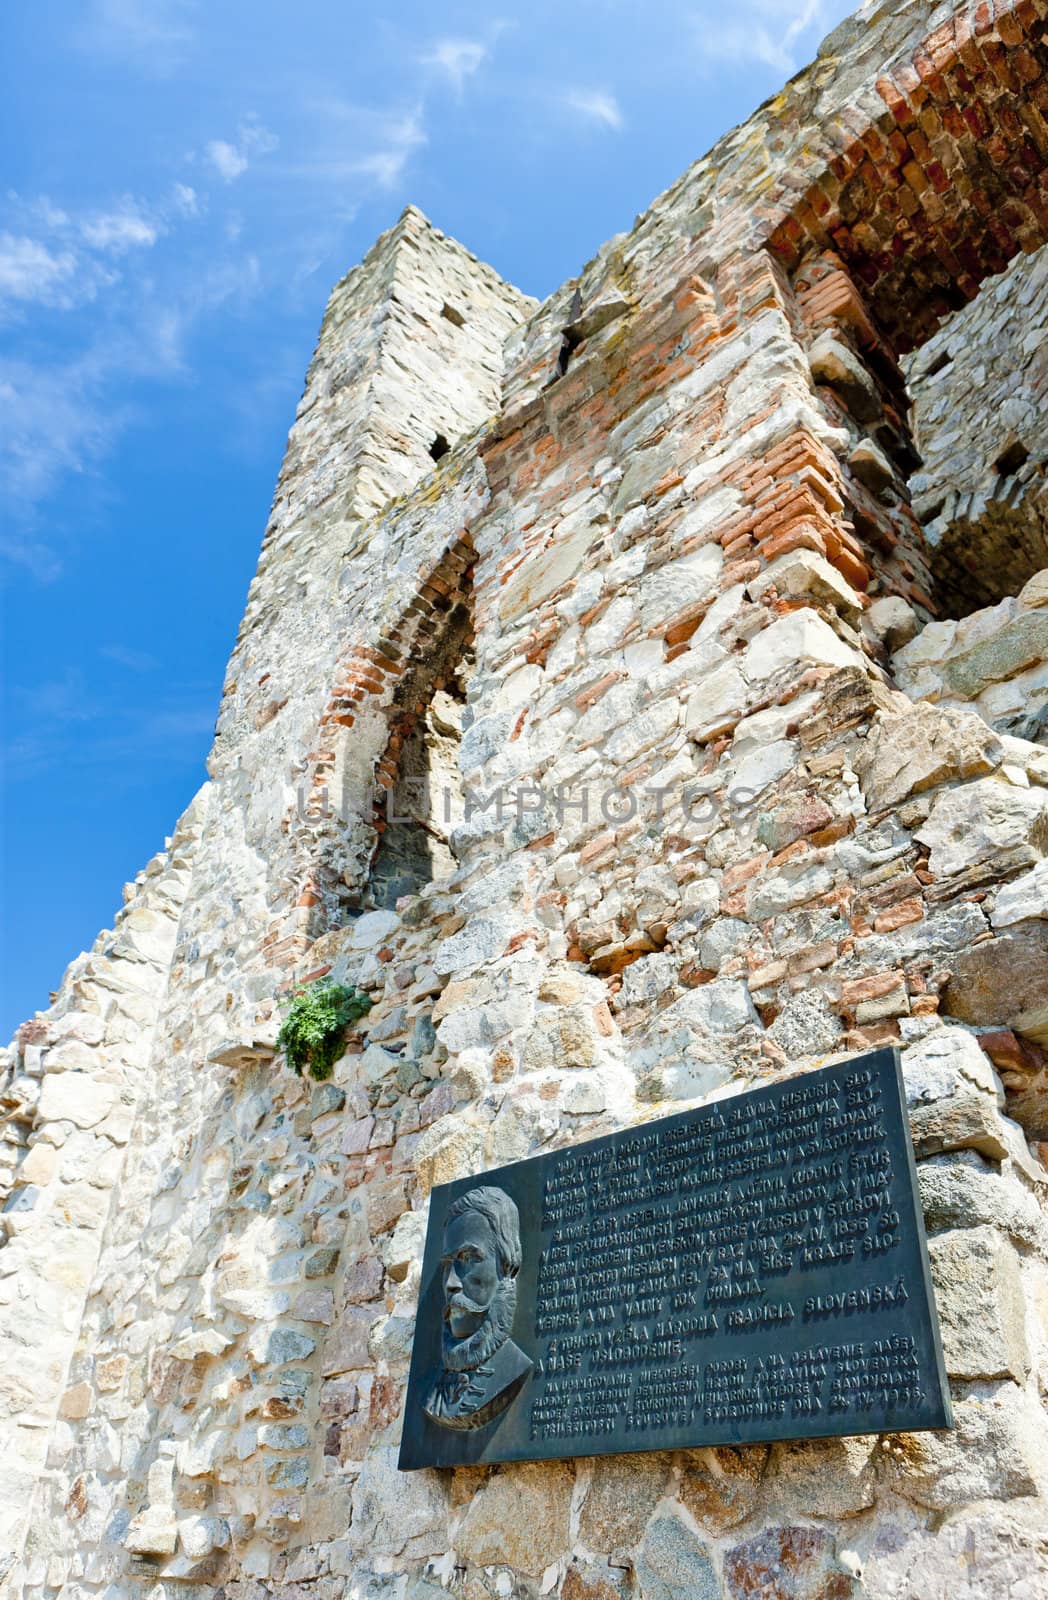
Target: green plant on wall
pixel 315 1022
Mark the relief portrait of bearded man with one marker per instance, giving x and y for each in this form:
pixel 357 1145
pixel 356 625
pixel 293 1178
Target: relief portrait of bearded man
pixel 482 1370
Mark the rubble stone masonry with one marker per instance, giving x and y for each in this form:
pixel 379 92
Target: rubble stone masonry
pixel 720 769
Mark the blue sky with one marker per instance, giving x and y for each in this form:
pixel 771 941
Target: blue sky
pixel 185 181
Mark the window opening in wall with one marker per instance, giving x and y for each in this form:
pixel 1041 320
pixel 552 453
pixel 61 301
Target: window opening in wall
pixel 439 447
pixel 938 364
pixel 571 338
pixel 1014 456
pixel 426 803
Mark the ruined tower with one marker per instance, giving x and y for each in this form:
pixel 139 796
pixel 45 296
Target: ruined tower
pixel 718 669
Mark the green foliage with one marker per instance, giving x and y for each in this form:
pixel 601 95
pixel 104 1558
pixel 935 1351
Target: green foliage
pixel 315 1022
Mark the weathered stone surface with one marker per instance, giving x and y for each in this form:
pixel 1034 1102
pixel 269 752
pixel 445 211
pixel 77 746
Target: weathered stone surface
pixel 718 704
pixel 447 1150
pixel 892 621
pixel 722 1487
pixel 825 1477
pixel 960 1190
pixel 346 1346
pixel 945 1063
pixel 965 1122
pixel 622 1495
pixel 1023 898
pixel 520 1518
pixel 715 1008
pixel 996 1548
pixel 921 748
pixel 985 822
pixel 672 1564
pixel 566 1037
pixel 592 1580
pixel 834 363
pixel 806 1026
pixel 394 1512
pixel 1004 982
pixel 787 1563
pixel 75 1097
pixel 994 1453
pixel 799 638
pixel 1017 645
pixel 979 1298
pixel 804 572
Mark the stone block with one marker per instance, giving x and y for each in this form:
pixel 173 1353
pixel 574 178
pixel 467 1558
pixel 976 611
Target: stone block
pixel 799 639
pixel 565 1037
pixel 892 621
pixel 833 362
pixel 1020 643
pixel 274 1347
pixel 363 1280
pixel 1003 983
pixel 806 1026
pixel 788 1563
pixel 152 1534
pixel 959 1190
pixel 399 1512
pixel 75 1097
pixel 946 1062
pixel 76 1403
pixel 314 1305
pixel 448 1149
pixel 721 1487
pixel 825 1477
pixel 978 1293
pixel 995 1452
pixel 674 1564
pixel 965 1122
pixel 520 1518
pixel 39 1166
pixel 346 1345
pixel 988 822
pixel 1023 899
pixel 622 1495
pixel 405 1245
pixel 922 748
pixel 717 704
pixel 805 572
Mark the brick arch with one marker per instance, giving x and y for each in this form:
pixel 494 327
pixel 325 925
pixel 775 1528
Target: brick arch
pixel 380 687
pixel 935 177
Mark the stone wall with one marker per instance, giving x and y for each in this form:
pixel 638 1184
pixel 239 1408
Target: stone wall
pixel 980 388
pixel 70 1086
pixel 994 661
pixel 705 838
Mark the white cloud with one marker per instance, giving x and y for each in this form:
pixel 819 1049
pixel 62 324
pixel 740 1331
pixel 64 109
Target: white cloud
pixel 52 422
pixel 231 160
pixel 30 272
pixel 457 58
pixel 186 200
pixel 766 31
pixel 228 161
pixel 133 660
pixel 401 136
pixel 155 34
pixel 118 231
pixel 357 142
pixel 597 105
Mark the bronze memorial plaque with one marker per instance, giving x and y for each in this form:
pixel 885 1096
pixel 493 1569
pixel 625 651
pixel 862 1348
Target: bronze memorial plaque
pixel 755 1269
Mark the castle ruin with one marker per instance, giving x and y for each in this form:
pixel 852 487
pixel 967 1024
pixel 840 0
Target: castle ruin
pixel 641 696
